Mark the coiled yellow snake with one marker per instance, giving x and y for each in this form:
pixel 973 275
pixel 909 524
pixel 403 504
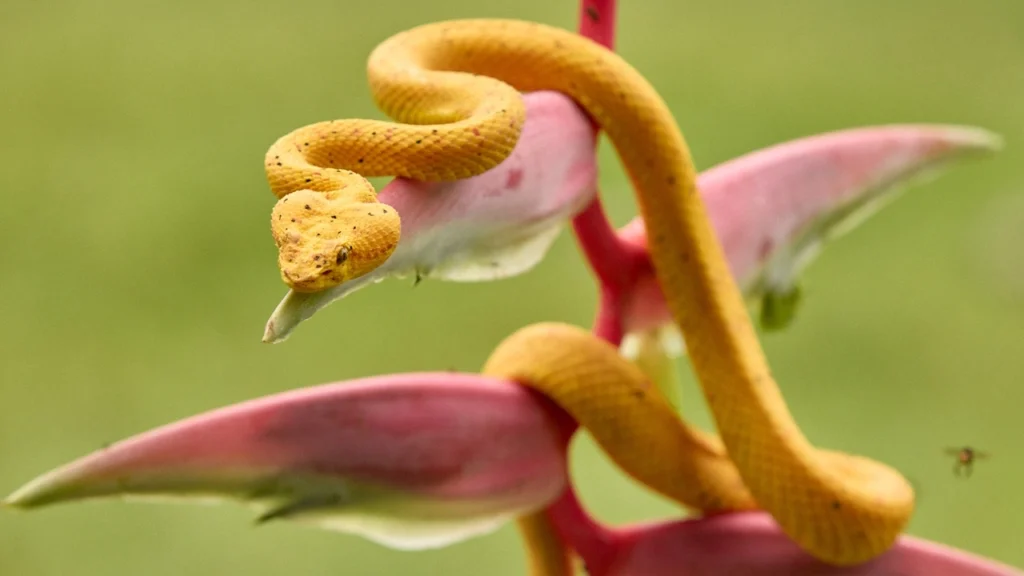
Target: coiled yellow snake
pixel 454 87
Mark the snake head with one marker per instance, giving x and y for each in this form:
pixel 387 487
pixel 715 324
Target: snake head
pixel 324 239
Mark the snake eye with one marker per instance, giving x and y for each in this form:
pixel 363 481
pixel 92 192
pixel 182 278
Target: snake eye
pixel 342 255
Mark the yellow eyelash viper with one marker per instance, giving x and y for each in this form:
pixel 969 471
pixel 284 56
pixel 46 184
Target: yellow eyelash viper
pixel 453 89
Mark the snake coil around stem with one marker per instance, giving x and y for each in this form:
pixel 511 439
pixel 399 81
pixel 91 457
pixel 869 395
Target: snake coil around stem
pixel 453 89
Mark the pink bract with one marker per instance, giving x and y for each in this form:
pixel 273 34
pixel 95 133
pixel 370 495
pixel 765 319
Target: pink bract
pixel 750 544
pixel 774 209
pixel 411 461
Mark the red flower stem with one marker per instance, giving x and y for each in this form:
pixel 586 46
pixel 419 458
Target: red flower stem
pixel 591 540
pixel 608 323
pixel 597 21
pixel 615 266
pixel 613 263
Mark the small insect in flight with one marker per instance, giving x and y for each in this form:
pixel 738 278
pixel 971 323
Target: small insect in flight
pixel 965 458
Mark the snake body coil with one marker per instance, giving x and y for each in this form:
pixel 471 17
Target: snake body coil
pixel 454 89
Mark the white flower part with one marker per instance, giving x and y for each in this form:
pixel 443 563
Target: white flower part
pixel 654 351
pixel 666 337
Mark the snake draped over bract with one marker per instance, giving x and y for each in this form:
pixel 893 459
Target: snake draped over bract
pixel 454 92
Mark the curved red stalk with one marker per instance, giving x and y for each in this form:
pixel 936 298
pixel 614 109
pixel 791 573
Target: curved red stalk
pixel 610 259
pixel 615 265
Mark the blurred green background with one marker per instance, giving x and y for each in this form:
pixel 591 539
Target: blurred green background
pixel 138 269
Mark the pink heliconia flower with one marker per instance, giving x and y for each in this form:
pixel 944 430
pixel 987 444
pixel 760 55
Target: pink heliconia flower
pixel 773 209
pixel 409 461
pixel 424 460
